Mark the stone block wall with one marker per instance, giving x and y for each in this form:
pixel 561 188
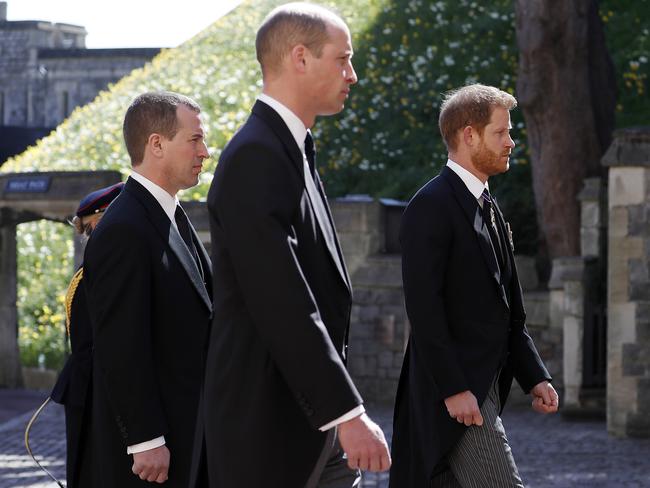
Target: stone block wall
pixel 79 75
pixel 42 63
pixel 379 328
pixel 628 378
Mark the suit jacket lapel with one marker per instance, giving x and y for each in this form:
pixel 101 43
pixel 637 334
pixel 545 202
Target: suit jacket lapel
pixel 516 294
pixel 339 252
pixel 170 235
pixel 275 122
pixel 472 212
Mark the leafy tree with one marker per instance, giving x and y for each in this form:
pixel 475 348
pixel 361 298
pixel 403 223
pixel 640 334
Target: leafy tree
pixel 386 142
pixel 567 89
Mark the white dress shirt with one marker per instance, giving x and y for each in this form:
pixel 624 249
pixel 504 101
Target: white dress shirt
pixel 299 132
pixel 168 204
pixel 473 184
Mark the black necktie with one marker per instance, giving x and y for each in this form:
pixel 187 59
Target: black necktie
pixel 317 197
pixel 183 225
pixel 310 152
pixel 490 221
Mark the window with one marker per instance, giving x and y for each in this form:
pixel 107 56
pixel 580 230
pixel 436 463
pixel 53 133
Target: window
pixel 65 104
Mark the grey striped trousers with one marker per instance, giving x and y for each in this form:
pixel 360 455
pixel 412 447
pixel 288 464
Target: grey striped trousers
pixel 482 457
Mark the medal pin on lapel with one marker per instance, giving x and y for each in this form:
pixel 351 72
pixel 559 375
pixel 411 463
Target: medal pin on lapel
pixel 509 232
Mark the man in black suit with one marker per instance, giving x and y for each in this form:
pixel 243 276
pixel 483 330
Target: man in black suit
pixel 277 391
pixel 148 281
pixel 463 299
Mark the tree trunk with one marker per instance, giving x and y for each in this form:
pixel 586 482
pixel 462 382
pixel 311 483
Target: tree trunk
pixel 567 91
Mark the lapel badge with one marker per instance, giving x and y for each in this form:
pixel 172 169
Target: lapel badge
pixel 509 232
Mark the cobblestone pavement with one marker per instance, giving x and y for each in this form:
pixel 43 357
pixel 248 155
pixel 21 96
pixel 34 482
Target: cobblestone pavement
pixel 550 451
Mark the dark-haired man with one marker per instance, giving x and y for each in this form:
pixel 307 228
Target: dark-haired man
pixel 148 280
pixel 465 306
pixel 279 406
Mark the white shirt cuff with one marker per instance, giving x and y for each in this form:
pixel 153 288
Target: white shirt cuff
pixel 146 446
pixel 355 412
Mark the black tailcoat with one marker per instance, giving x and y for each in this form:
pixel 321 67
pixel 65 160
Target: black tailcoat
pixel 275 370
pixel 150 314
pixel 73 390
pixel 467 322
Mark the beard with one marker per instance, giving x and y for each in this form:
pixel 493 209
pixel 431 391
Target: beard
pixel 488 162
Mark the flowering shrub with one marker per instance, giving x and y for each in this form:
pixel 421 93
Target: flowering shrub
pixel 44 267
pixel 385 143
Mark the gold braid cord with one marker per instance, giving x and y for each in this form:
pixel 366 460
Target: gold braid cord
pixel 69 296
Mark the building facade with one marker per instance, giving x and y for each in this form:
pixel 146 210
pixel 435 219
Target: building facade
pixel 46 71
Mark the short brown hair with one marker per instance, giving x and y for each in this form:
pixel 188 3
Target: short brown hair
pixel 289 25
pixel 471 105
pixel 152 113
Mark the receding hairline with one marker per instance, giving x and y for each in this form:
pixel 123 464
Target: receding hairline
pixel 325 14
pixel 297 15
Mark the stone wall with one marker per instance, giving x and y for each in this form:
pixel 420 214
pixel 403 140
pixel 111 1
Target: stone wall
pixel 628 378
pixel 45 71
pixel 378 322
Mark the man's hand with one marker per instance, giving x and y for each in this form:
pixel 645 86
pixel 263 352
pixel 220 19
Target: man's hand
pixel 464 408
pixel 152 465
pixel 365 444
pixel 545 398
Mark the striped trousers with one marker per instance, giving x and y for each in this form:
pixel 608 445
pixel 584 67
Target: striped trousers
pixel 482 457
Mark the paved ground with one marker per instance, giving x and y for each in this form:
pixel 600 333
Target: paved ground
pixel 550 451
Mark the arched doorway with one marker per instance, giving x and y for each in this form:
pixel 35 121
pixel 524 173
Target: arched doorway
pixel 28 197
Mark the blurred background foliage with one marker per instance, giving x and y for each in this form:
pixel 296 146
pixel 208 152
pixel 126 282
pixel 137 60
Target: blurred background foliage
pixel 385 143
pixel 45 261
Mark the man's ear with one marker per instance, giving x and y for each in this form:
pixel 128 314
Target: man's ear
pixel 469 136
pixel 154 143
pixel 299 55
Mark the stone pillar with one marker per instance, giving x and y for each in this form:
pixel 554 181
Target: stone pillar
pixel 573 330
pixel 593 214
pixel 566 314
pixel 378 324
pixel 359 226
pixel 576 298
pixel 10 374
pixel 628 283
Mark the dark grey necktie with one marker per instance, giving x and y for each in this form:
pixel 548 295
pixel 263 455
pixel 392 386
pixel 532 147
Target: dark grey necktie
pixel 183 225
pixel 490 220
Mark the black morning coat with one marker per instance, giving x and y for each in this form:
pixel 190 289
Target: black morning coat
pixel 275 370
pixel 73 390
pixel 467 322
pixel 150 312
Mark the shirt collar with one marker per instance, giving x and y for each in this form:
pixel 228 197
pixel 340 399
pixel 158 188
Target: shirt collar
pixel 295 125
pixel 473 184
pixel 166 201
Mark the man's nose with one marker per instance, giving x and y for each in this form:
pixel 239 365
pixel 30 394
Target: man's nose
pixel 205 153
pixel 351 75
